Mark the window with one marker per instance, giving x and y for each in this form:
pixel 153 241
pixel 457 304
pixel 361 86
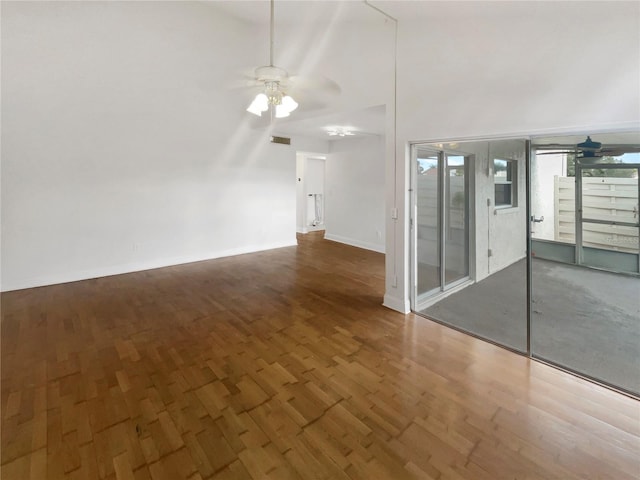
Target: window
pixel 504 174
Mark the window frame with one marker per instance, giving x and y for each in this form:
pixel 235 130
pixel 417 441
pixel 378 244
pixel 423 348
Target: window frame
pixel 511 179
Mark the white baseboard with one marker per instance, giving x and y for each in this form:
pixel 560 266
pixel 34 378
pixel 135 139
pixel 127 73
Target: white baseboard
pixel 355 243
pixel 310 228
pixel 397 304
pixel 65 277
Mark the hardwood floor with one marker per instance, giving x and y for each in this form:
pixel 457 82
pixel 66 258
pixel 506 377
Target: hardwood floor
pixel 278 365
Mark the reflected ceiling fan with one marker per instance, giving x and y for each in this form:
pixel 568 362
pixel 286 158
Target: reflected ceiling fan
pixel 277 89
pixel 587 149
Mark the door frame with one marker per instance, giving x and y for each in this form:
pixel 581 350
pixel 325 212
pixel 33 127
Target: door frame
pixel 302 193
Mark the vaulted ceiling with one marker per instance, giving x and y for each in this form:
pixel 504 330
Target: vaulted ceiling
pixel 352 43
pixel 348 42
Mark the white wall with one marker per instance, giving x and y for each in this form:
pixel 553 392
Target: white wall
pixel 121 147
pixel 507 227
pixel 355 179
pixel 300 200
pixel 485 69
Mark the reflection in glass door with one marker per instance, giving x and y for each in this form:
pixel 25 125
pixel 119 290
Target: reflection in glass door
pixel 441 229
pixel 456 220
pixel 564 209
pixel 427 222
pixel 585 280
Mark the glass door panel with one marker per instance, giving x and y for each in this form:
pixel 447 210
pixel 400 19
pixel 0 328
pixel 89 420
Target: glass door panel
pixel 456 223
pixel 441 234
pixel 427 220
pixel 476 286
pixel 471 235
pixel 586 319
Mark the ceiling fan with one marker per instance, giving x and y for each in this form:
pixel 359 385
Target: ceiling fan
pixel 588 149
pixel 277 88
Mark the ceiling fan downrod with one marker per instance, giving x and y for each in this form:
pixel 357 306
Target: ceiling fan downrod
pixel 271 41
pixel 272 77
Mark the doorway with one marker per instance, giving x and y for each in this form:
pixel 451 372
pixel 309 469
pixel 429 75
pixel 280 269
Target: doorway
pixel 310 192
pixel 440 224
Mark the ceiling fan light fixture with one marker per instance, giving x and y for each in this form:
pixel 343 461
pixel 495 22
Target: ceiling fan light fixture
pixel 289 103
pixel 260 104
pixel 589 148
pixel 273 92
pixel 281 112
pixel 285 107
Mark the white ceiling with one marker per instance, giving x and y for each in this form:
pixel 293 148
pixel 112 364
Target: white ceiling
pixel 318 12
pixel 323 11
pixel 305 18
pixel 364 122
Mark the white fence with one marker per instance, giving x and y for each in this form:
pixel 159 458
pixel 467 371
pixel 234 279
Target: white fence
pixel 606 198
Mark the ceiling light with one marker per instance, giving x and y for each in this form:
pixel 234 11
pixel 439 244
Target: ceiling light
pixel 260 104
pixel 287 105
pixel 340 132
pixel 275 97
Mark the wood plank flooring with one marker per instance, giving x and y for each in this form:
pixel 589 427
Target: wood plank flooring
pixel 283 365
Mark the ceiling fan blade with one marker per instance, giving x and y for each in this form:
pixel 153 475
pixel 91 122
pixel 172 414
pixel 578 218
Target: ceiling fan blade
pixel 554 152
pixel 614 152
pixel 246 78
pixel 245 85
pixel 316 83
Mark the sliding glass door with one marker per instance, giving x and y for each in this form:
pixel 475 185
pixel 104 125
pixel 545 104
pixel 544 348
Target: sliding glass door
pixel 585 280
pixel 469 236
pixel 535 246
pixel 441 221
pixel 426 222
